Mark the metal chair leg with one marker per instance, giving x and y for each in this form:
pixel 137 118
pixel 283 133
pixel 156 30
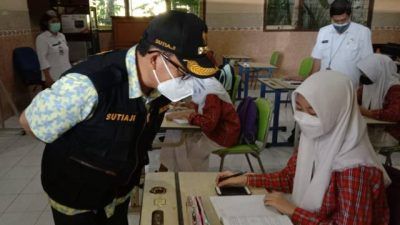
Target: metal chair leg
pixel 221 165
pixel 260 163
pixel 248 160
pixel 388 161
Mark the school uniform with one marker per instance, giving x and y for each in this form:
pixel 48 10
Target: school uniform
pixel 220 128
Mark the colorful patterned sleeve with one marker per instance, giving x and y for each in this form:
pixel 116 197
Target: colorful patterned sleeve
pixel 55 110
pixel 391 109
pixel 278 181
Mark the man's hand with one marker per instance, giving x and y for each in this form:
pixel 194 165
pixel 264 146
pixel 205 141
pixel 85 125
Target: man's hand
pixel 279 202
pixel 24 124
pixel 365 112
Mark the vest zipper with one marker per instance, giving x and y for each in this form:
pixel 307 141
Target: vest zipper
pixel 108 172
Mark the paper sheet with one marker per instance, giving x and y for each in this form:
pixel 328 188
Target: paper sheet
pixel 244 210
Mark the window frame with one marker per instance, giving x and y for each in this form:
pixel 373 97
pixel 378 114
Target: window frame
pixel 285 28
pixel 106 28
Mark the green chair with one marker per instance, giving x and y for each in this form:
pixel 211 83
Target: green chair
pixel 274 61
pixel 264 108
pixel 306 66
pixel 235 89
pixel 305 70
pixel 274 58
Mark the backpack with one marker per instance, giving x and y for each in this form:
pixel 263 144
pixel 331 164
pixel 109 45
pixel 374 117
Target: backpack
pixel 247 111
pixel 226 77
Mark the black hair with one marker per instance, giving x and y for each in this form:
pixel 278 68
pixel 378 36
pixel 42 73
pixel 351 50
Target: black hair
pixel 44 20
pixel 143 47
pixel 339 7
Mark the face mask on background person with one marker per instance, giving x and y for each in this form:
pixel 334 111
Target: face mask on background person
pixel 310 126
pixel 341 28
pixel 175 89
pixel 54 27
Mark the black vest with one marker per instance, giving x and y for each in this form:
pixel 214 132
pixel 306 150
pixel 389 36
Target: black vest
pixel 100 158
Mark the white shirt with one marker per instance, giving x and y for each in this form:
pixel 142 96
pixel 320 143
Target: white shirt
pixel 343 51
pixel 53 53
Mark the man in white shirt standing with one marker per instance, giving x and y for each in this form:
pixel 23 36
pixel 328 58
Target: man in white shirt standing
pixel 342 44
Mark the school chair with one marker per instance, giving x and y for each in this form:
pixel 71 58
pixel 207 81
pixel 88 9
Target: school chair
pixel 235 89
pixel 26 65
pixel 387 152
pixel 273 61
pixel 264 108
pixel 305 70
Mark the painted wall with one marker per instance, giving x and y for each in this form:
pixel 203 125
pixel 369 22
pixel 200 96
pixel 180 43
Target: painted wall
pixel 236 28
pixel 15 32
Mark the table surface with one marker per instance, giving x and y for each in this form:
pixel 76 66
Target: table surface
pixel 277 83
pixel 236 56
pixel 167 124
pixel 167 180
pixel 371 121
pixel 191 183
pixel 256 65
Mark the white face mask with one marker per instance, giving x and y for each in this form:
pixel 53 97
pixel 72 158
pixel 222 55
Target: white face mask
pixel 175 89
pixel 310 126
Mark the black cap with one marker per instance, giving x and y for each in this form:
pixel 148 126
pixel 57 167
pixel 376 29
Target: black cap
pixel 183 34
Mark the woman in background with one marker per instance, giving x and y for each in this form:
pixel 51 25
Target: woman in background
pixel 52 49
pixel 379 97
pixel 335 177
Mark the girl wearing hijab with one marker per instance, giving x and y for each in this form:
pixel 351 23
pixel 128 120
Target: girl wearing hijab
pixel 379 97
pixel 219 123
pixel 335 176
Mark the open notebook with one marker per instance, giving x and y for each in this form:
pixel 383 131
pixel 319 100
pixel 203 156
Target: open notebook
pixel 246 210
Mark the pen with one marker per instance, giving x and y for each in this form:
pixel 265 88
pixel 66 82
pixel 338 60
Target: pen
pixel 233 175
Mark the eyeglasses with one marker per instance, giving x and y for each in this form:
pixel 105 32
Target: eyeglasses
pixel 185 73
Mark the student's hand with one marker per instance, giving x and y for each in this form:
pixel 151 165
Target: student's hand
pixel 234 181
pixel 279 202
pixel 364 111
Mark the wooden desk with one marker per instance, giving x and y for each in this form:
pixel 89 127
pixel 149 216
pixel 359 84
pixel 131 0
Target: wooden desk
pixel 190 183
pixel 241 58
pixel 244 71
pixel 167 124
pixel 277 86
pixel 375 122
pixel 164 179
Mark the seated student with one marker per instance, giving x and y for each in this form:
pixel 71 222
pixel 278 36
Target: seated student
pixel 379 97
pixel 219 123
pixel 335 176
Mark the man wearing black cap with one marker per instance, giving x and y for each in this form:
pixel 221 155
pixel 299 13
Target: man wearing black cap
pixel 94 119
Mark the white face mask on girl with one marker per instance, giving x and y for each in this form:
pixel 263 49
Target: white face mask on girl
pixel 310 126
pixel 175 89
